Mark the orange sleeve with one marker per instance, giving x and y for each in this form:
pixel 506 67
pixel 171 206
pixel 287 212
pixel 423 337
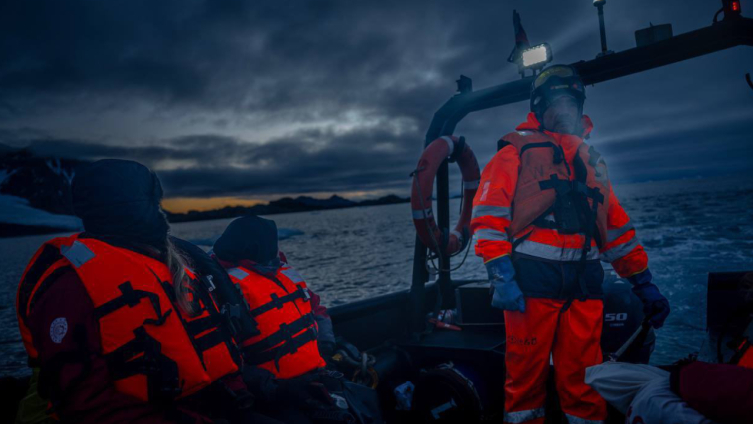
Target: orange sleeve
pixel 623 250
pixel 492 204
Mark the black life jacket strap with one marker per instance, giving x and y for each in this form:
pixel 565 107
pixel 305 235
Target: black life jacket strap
pixel 201 325
pixel 130 297
pixel 278 302
pixel 502 143
pixel 288 348
pixel 555 183
pixel 163 382
pixel 283 335
pixel 209 340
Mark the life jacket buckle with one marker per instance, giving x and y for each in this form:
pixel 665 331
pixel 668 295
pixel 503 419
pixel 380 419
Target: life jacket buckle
pixel 209 283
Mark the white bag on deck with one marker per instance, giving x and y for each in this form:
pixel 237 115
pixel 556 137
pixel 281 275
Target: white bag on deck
pixel 642 393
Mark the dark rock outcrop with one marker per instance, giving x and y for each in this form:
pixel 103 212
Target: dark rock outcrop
pixel 44 181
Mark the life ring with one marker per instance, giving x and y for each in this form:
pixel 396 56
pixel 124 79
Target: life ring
pixel 453 149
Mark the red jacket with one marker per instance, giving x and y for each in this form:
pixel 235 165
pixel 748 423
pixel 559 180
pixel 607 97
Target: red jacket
pixel 721 392
pixel 71 338
pixel 94 400
pixel 493 205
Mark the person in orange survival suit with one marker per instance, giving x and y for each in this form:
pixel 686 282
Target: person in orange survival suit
pixel 544 215
pixel 121 326
pixel 296 332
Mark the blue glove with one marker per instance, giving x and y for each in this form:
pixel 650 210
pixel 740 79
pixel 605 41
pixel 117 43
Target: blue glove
pixel 655 305
pixel 506 293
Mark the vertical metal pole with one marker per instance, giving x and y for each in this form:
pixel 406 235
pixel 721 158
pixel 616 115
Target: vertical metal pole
pixel 602 30
pixel 443 218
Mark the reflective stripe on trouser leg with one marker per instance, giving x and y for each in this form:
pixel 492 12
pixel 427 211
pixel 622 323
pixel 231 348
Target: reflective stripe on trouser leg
pixel 572 419
pixel 524 416
pixel 576 348
pixel 529 341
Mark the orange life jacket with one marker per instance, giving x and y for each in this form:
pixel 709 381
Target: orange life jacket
pixel 281 304
pixel 545 175
pixel 747 359
pixel 743 355
pixel 154 352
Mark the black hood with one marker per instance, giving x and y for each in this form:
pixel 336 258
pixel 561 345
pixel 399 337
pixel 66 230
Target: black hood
pixel 251 238
pixel 121 198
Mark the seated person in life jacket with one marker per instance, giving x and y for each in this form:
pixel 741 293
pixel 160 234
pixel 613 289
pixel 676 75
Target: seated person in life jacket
pixel 296 332
pixel 120 326
pixel 689 391
pixel 722 392
pixel 284 365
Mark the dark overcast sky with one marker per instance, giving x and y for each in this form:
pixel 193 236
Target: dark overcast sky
pixel 258 99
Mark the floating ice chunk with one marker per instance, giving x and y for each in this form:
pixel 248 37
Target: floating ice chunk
pixel 286 233
pixel 16 210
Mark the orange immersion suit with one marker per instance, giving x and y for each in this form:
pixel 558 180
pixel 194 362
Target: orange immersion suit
pixel 514 214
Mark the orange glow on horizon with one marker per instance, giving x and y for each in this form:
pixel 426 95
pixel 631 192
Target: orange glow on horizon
pixel 185 204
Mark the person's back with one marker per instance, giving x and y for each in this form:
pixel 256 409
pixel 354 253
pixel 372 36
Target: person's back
pixel 120 326
pixel 544 215
pixel 289 317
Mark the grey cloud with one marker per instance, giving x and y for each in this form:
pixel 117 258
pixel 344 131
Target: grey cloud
pixel 311 66
pixel 306 161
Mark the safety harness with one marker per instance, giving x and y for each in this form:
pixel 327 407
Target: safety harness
pixel 576 205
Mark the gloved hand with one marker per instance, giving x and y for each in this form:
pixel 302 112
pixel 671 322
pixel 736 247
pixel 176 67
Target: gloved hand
pixel 655 305
pixel 506 294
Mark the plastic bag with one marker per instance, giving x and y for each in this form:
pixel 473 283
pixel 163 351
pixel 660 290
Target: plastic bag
pixel 642 393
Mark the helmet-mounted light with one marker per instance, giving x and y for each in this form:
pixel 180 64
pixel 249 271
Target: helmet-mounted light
pixel 536 57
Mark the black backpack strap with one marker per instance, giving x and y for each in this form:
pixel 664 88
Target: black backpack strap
pixel 233 308
pixel 502 143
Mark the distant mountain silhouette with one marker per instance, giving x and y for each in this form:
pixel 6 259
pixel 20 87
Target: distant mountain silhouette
pixel 284 205
pixel 45 182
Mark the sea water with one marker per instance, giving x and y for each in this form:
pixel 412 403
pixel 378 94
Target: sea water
pixel 688 227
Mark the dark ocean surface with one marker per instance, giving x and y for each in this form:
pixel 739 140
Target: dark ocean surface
pixel 688 227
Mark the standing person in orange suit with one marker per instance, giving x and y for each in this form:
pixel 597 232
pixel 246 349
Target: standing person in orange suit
pixel 544 214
